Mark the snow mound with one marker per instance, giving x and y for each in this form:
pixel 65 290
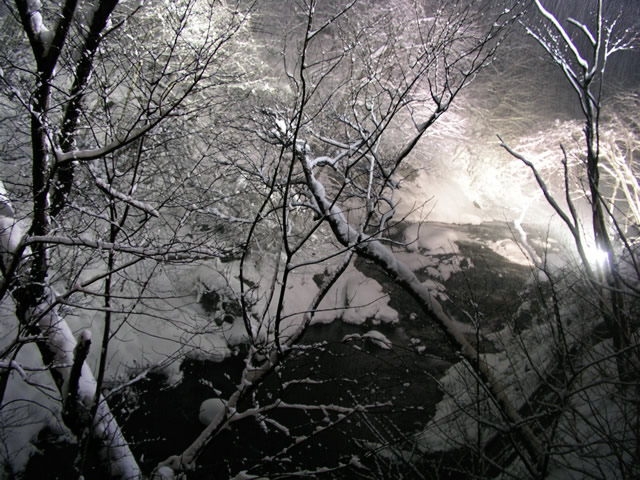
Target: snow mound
pixel 510 250
pixel 435 239
pixel 356 299
pixel 209 410
pixel 378 339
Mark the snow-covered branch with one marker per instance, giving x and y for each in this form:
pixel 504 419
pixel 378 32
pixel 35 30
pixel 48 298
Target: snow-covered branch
pixel 95 153
pixel 96 244
pixel 175 251
pixel 325 25
pixel 399 272
pixel 109 190
pixel 23 372
pixel 61 344
pixel 563 33
pixel 543 186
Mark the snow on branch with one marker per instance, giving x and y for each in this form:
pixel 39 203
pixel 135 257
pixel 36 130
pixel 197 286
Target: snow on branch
pixel 108 189
pixel 327 24
pixel 572 225
pixel 96 244
pixel 171 252
pixel 584 29
pixel 61 343
pixel 563 33
pixel 382 256
pixel 347 149
pixel 23 370
pixel 324 408
pixel 40 30
pixel 95 153
pixel 46 43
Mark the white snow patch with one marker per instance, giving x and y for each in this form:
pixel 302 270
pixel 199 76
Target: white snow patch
pixel 355 299
pixel 510 250
pixel 210 409
pixel 426 241
pixel 453 425
pixel 169 324
pixel 379 339
pixel 437 289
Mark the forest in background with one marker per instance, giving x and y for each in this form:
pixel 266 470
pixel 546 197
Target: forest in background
pixel 350 239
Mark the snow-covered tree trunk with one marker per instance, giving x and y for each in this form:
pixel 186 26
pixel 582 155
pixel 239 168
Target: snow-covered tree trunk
pixel 57 349
pixel 57 344
pixel 93 78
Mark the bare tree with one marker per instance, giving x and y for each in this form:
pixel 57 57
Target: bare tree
pixel 351 82
pixel 584 68
pixel 101 103
pixel 137 166
pixel 584 382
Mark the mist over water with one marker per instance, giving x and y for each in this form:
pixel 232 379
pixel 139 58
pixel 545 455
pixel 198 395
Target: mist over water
pixel 521 96
pixel 525 99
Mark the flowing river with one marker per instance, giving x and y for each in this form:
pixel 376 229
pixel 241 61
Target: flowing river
pixel 342 365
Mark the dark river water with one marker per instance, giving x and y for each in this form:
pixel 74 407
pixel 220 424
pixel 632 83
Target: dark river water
pixel 163 419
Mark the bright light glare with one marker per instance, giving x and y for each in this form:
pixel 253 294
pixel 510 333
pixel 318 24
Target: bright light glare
pixel 597 257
